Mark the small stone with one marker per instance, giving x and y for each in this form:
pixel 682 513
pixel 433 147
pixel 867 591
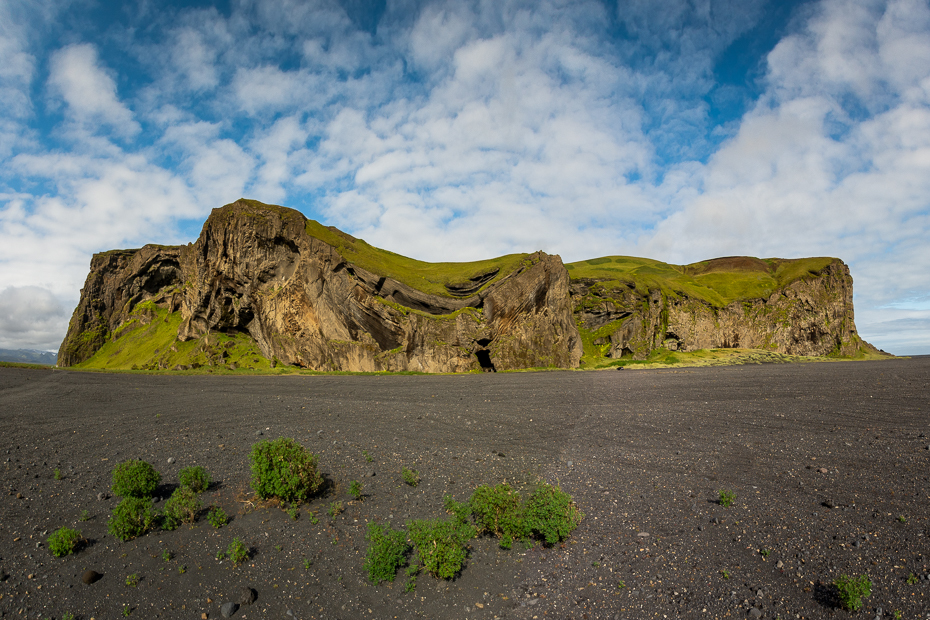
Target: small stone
pixel 247 596
pixel 370 474
pixel 170 460
pixel 570 463
pixel 259 433
pixel 289 613
pixel 857 544
pixel 203 616
pixel 19 496
pixel 779 564
pixel 90 576
pixel 823 470
pixel 228 609
pixel 755 613
pixel 501 454
pixel 643 534
pixel 102 496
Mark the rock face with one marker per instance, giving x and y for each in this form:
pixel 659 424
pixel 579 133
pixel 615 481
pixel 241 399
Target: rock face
pixel 301 294
pixel 256 269
pixel 811 315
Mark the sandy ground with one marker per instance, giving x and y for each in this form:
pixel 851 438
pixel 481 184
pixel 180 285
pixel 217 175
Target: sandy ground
pixel 829 464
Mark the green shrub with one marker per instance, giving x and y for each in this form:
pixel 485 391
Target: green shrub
pixel 132 580
pixel 63 541
pixel 852 590
pixel 726 498
pixel 217 517
pixel 132 517
pixel 355 490
pixel 284 469
pixel 134 478
pixel 195 478
pixel 410 476
pixel 181 507
pixel 441 544
pixel 237 552
pixel 386 551
pixel 551 514
pixel 498 510
pixel 334 509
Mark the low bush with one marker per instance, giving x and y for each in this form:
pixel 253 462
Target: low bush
pixel 386 552
pixel 64 541
pixel 196 478
pixel 726 498
pixel 852 590
pixel 498 510
pixel 441 544
pixel 410 476
pixel 551 514
pixel 135 478
pixel 217 517
pixel 181 507
pixel 131 518
pixel 284 469
pixel 355 490
pixel 237 552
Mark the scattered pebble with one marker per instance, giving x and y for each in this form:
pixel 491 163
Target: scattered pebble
pixel 170 460
pixel 247 596
pixel 90 576
pixel 228 609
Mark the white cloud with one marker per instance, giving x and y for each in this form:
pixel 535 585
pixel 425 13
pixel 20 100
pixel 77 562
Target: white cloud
pixel 89 92
pixel 31 317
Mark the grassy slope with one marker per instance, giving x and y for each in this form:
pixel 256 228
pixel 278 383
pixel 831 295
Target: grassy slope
pixel 150 336
pixel 427 277
pixel 718 288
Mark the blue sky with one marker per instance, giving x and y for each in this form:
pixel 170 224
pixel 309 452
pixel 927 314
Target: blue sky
pixel 678 130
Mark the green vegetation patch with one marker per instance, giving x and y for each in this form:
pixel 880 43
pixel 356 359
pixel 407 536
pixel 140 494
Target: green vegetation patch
pixel 719 282
pixel 135 478
pixel 387 550
pixel 148 340
pixel 284 469
pixel 430 278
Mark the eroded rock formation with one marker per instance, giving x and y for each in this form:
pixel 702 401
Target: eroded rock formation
pixel 255 269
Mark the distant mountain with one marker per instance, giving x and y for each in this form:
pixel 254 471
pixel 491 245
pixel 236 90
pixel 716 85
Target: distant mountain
pixel 28 356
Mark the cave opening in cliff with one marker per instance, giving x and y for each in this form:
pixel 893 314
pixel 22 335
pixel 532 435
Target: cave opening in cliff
pixel 484 358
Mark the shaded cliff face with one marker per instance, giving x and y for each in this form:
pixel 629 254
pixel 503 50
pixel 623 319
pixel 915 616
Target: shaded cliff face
pixel 264 271
pixel 801 307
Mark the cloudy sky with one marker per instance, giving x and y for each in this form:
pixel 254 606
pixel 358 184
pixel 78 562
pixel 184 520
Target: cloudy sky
pixel 675 129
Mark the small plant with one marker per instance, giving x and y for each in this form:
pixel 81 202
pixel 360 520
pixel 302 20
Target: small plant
pixel 85 516
pixel 278 548
pixel 181 507
pixel 57 474
pixel 621 584
pixel 307 564
pixel 898 614
pixel 135 478
pixel 725 573
pixel 764 553
pixel 498 510
pixel 237 552
pixel 355 490
pixel 166 555
pixel 67 616
pixel 334 509
pixel 367 456
pixel 182 569
pixel 911 579
pixel 132 580
pixel 726 498
pixel 132 517
pixel 293 511
pixel 217 517
pixel 411 573
pixel 63 541
pixel 852 590
pixel 195 478
pixel 551 514
pixel 386 551
pixel 284 469
pixel 441 543
pixel 410 476
pixel 127 610
pixel 313 518
pixel 902 518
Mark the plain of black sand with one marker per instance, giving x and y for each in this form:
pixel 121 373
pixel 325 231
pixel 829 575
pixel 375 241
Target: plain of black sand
pixel 829 464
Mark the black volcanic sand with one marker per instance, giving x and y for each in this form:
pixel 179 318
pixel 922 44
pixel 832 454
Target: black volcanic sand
pixel 828 462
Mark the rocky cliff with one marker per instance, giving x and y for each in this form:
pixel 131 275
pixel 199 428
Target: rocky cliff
pixel 629 307
pixel 263 285
pixel 314 297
